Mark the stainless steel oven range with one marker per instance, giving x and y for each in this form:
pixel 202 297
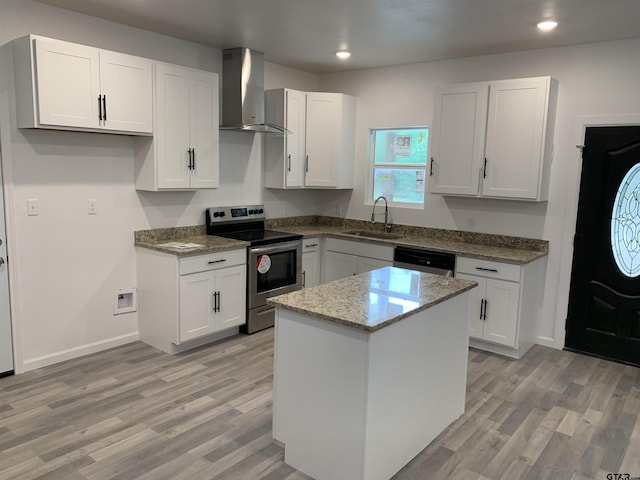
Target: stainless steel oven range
pixel 273 259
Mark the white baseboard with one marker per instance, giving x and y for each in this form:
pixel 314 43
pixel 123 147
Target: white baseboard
pixel 547 342
pixel 76 352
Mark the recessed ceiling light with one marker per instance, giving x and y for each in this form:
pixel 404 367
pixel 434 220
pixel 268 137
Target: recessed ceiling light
pixel 343 54
pixel 547 25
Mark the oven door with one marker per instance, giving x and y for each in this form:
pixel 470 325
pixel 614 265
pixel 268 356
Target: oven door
pixel 273 269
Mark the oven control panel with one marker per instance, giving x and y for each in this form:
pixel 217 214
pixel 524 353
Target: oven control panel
pixel 231 214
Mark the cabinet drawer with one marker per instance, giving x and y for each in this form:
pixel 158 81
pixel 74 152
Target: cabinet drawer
pixel 211 261
pixel 488 268
pixel 310 244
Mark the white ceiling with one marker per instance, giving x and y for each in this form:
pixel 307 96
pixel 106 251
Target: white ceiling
pixel 304 34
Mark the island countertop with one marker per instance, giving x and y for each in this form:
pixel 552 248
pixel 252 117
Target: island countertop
pixel 373 300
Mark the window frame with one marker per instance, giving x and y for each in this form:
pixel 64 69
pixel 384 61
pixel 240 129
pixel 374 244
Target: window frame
pixel 371 166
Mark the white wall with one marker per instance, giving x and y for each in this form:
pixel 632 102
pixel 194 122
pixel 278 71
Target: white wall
pixel 65 264
pixel 595 79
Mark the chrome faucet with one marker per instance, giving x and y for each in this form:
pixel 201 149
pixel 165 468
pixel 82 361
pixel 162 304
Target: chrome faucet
pixel 387 225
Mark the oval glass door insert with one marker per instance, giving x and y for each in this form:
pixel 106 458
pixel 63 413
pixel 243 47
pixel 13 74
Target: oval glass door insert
pixel 625 224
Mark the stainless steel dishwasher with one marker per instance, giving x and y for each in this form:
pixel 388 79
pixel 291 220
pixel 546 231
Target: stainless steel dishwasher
pixel 438 263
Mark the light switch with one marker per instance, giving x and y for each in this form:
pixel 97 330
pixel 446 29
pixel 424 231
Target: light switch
pixel 92 206
pixel 32 207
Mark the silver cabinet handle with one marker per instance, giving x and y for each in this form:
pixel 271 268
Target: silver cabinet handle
pixel 289 164
pixel 304 279
pixel 211 262
pixel 311 245
pixel 306 163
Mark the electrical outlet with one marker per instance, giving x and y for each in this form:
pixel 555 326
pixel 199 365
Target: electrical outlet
pixel 92 206
pixel 32 207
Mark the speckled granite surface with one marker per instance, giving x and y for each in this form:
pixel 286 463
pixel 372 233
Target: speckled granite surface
pixel 349 301
pixel 469 244
pixel 157 239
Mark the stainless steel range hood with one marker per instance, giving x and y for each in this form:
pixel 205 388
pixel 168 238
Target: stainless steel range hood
pixel 243 92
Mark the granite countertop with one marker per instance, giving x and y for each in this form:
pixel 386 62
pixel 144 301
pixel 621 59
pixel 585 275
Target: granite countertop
pixel 165 240
pixel 373 300
pixel 520 253
pixel 502 248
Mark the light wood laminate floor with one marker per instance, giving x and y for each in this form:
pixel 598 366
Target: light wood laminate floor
pixel 134 412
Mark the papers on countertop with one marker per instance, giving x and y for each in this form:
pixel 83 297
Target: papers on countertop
pixel 180 245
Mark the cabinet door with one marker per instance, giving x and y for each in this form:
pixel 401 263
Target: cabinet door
pixel 501 311
pixel 367 264
pixel 296 111
pixel 310 268
pixel 126 82
pixel 322 139
pixel 68 84
pixel 457 138
pixel 172 127
pixel 231 287
pixel 476 302
pixel 515 133
pixel 204 123
pixel 339 265
pixel 196 305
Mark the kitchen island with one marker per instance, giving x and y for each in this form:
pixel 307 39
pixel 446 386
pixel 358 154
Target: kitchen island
pixel 368 370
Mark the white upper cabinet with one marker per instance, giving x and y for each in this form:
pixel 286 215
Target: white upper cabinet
pixel 494 139
pixel 184 152
pixel 66 86
pixel 319 152
pixel 284 156
pixel 457 138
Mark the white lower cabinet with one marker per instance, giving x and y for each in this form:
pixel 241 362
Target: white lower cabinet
pixel 343 258
pixel 211 301
pixel 505 308
pixel 310 262
pixel 188 301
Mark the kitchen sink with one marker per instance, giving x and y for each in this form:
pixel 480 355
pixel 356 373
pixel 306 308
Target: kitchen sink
pixel 378 235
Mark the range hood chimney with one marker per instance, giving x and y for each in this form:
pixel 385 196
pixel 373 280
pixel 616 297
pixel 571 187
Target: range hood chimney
pixel 243 92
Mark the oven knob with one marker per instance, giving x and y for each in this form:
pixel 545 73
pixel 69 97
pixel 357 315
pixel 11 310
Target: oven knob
pixel 260 211
pixel 215 214
pixel 251 212
pixel 222 214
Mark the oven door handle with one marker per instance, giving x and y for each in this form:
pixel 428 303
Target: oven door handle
pixel 280 247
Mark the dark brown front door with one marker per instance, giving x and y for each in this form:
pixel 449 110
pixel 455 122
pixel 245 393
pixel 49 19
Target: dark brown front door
pixel 604 300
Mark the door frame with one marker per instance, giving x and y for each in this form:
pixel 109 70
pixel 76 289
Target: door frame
pixel 9 218
pixel 566 257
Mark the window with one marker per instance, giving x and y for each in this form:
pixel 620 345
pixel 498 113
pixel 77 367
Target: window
pixel 398 164
pixel 625 222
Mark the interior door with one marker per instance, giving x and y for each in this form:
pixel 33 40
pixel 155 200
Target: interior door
pixel 6 350
pixel 604 299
